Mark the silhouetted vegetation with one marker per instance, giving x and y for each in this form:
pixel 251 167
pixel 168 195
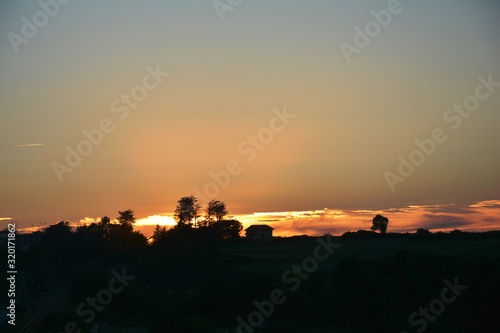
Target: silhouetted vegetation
pixel 380 222
pixel 200 276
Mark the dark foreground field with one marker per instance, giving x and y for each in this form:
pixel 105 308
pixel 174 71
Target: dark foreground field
pixel 360 282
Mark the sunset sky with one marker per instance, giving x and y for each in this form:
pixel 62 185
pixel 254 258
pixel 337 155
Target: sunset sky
pixel 310 116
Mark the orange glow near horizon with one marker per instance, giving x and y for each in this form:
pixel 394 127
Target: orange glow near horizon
pixel 478 216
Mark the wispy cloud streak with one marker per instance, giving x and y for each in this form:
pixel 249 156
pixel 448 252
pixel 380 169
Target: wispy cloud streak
pixel 31 145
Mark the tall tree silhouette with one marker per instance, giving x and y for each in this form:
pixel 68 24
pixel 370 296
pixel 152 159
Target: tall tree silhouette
pixel 127 219
pixel 380 222
pixel 216 210
pixel 186 211
pixel 216 222
pixel 104 226
pixel 122 237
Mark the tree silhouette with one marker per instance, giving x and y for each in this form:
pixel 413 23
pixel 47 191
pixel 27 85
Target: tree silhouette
pixel 104 226
pixel 126 220
pixel 158 234
pixel 380 222
pixel 122 237
pixel 60 229
pixel 216 209
pixel 423 232
pixel 227 229
pixel 58 234
pixel 115 237
pixel 187 211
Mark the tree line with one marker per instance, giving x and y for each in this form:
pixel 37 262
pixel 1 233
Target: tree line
pixel 213 226
pixel 119 235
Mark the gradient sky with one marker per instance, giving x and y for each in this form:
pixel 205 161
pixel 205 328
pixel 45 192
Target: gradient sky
pixel 352 120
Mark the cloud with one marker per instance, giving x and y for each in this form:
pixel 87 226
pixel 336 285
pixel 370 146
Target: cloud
pixel 443 221
pixel 491 219
pixel 486 204
pixel 269 220
pixel 445 217
pixel 156 220
pixel 89 220
pixel 30 145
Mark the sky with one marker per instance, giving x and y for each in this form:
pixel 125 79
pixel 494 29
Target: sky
pixel 310 116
